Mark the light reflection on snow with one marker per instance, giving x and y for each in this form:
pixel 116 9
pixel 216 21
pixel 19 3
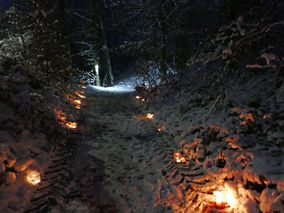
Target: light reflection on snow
pixel 115 89
pixel 125 86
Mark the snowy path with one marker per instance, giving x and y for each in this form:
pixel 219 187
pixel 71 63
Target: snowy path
pixel 129 149
pixel 119 165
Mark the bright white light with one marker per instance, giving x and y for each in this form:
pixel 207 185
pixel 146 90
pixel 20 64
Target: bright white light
pixel 127 85
pixel 227 195
pixel 97 68
pixel 114 89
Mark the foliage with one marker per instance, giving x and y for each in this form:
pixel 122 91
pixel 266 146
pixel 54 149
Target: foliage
pixel 36 37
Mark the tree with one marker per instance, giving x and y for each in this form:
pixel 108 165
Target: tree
pixel 102 62
pixel 90 52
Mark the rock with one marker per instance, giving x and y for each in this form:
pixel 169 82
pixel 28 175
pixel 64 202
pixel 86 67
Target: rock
pixel 10 178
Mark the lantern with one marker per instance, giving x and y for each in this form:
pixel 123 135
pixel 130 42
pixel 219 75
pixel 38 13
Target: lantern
pixel 33 177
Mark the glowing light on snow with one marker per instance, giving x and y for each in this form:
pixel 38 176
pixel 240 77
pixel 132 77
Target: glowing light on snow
pixel 150 116
pixel 225 198
pixel 71 125
pixel 114 89
pixel 161 128
pixel 179 158
pixel 249 119
pixel 77 101
pixel 60 115
pixel 267 116
pixel 80 94
pixel 143 100
pixel 33 177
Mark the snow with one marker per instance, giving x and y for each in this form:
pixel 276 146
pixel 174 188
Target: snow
pixel 115 89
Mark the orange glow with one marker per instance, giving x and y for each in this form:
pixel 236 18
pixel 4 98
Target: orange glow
pixel 33 177
pixel 239 110
pixel 60 115
pixel 138 97
pixel 179 158
pixel 71 125
pixel 225 198
pixel 78 106
pixel 161 128
pixel 84 87
pixel 249 119
pixel 215 129
pixel 80 94
pixel 70 97
pixel 266 116
pixel 233 139
pixel 150 116
pixel 77 101
pixel 143 100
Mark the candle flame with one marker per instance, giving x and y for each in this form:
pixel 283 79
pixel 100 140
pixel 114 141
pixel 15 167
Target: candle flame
pixel 33 177
pixel 71 125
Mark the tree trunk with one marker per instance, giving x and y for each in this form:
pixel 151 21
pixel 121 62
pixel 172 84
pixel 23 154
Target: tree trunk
pixel 101 52
pixel 163 30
